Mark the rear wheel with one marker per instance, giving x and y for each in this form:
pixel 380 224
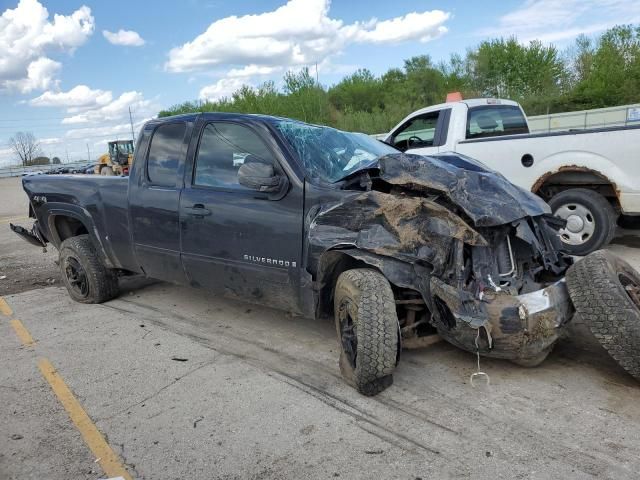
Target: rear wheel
pixel 605 291
pixel 367 326
pixel 107 171
pixel 86 278
pixel 591 220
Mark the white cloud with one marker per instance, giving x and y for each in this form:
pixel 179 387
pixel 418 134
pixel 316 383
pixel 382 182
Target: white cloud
pixel 559 20
pixel 27 38
pixel 115 110
pixel 79 96
pixel 86 105
pixel 112 131
pixel 413 26
pixel 222 88
pixel 127 38
pixel 297 33
pixel 252 70
pixel 50 141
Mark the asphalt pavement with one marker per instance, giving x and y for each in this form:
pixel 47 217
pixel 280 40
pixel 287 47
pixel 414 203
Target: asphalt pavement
pixel 167 382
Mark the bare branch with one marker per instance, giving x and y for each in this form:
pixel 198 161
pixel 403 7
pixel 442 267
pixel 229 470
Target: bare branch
pixel 25 146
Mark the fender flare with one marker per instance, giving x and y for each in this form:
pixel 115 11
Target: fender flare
pixel 52 210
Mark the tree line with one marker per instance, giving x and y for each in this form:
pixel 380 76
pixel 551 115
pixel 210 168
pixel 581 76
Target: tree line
pixel 591 73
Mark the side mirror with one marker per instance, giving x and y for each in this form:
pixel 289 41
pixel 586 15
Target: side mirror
pixel 259 176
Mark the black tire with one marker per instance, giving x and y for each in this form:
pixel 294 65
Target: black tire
pixel 605 291
pixel 86 278
pixel 367 326
pixel 601 217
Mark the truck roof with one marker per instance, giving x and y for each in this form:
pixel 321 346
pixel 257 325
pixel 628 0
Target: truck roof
pixel 471 102
pixel 217 115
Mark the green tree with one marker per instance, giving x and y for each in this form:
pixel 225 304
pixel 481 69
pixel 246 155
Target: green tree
pixel 608 74
pixel 508 69
pixel 360 91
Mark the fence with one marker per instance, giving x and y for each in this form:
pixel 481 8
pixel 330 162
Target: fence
pixel 600 117
pixel 16 171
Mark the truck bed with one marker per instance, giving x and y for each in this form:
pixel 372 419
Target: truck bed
pixel 99 200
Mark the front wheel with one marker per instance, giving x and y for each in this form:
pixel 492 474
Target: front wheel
pixel 591 220
pixel 367 326
pixel 606 293
pixel 86 278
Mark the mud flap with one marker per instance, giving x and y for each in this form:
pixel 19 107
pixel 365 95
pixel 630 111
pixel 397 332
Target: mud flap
pixel 605 291
pixel 33 236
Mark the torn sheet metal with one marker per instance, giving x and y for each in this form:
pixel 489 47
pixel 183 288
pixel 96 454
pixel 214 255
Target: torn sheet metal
pixel 485 196
pixel 401 226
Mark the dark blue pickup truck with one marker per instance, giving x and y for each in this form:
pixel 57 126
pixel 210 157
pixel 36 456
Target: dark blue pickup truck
pixel 396 247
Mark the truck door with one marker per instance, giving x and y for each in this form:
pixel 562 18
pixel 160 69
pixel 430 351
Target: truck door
pixel 154 201
pixel 422 134
pixel 235 240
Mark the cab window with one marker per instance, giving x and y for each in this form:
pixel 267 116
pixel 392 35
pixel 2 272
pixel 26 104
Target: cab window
pixel 224 147
pixel 418 132
pixel 495 120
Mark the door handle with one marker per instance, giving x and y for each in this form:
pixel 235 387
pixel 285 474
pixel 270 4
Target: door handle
pixel 197 210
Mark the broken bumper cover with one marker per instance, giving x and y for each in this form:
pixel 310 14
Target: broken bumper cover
pixel 511 327
pixel 33 236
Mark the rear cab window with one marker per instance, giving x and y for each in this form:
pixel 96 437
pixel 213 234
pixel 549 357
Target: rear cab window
pixel 165 154
pixel 495 120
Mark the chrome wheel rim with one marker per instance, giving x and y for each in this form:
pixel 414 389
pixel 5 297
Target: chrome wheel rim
pixel 581 223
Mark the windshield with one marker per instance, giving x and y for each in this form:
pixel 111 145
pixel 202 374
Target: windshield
pixel 125 147
pixel 331 154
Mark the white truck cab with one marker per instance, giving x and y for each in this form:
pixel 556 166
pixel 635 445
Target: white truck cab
pixel 588 177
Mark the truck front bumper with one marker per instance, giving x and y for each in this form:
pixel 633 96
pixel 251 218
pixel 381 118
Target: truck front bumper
pixel 513 327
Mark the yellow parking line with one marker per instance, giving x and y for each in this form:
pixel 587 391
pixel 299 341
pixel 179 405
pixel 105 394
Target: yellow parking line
pixel 22 333
pixel 5 309
pixel 109 461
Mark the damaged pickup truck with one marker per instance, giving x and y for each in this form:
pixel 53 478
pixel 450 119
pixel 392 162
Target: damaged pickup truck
pixel 396 247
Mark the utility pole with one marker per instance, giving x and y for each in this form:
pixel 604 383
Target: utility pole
pixel 88 153
pixel 133 136
pixel 66 151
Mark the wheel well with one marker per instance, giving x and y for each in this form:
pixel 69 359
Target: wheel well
pixel 67 227
pixel 553 183
pixel 331 265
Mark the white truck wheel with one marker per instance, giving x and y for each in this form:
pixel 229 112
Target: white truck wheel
pixel 591 220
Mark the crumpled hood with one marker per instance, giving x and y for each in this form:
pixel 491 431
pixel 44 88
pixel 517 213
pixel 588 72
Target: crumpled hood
pixel 484 195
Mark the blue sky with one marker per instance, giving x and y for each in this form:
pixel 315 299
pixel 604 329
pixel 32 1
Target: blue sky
pixel 70 70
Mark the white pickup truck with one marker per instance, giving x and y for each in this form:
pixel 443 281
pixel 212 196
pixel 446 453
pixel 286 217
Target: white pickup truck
pixel 588 177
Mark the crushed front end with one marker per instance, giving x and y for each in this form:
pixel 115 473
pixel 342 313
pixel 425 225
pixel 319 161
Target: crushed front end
pixel 507 299
pixel 471 255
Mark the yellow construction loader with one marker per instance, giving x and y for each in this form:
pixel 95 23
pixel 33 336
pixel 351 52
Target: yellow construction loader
pixel 118 160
